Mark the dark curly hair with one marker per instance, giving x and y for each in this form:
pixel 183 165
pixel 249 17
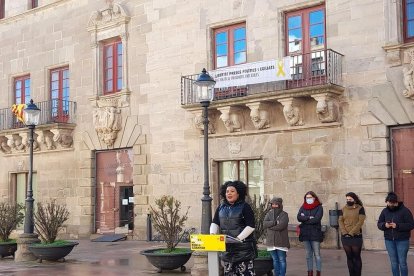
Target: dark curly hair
pixel 355 197
pixel 240 188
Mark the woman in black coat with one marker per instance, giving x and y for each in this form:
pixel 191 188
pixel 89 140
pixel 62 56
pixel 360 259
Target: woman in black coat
pixel 310 215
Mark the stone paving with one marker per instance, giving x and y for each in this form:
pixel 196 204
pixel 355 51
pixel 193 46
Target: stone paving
pixel 123 258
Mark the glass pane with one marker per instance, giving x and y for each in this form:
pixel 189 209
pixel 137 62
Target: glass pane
pixel 109 86
pixel 227 171
pixel 119 72
pixel 240 34
pixel 256 178
pixel 109 51
pixel 295 34
pixel 55 85
pixel 109 74
pixel 119 84
pixel 240 46
pixel 243 172
pixel 316 17
pixel 295 46
pixel 221 50
pixel 55 94
pixel 410 29
pixel 18 94
pixel 18 85
pixel 221 38
pixel 55 76
pixel 119 48
pixel 119 60
pixel 66 83
pixel 65 93
pixel 66 74
pixel 294 22
pixel 239 57
pixel 316 30
pixel 109 63
pixel 221 61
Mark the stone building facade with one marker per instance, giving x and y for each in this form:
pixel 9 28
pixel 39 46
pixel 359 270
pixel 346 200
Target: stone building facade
pixel 108 153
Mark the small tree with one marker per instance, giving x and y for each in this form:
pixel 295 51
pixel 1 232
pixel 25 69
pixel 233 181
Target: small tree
pixel 260 208
pixel 168 221
pixel 11 216
pixel 49 219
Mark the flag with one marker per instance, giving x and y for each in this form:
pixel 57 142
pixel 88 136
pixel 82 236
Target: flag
pixel 17 110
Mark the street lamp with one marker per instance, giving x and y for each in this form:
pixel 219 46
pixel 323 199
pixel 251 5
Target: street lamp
pixel 205 94
pixel 31 115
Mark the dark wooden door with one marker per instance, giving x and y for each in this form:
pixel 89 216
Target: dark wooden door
pixel 403 166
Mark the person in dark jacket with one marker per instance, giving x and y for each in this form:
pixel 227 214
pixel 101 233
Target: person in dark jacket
pixel 277 240
pixel 310 215
pixel 235 217
pixel 396 221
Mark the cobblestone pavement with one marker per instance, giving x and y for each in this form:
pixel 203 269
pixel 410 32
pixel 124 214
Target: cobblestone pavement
pixel 123 258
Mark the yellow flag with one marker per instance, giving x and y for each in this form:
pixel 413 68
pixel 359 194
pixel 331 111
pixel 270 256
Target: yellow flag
pixel 17 110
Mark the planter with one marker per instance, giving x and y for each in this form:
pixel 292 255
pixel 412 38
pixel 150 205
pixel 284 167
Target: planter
pixel 52 252
pixel 7 249
pixel 165 261
pixel 263 266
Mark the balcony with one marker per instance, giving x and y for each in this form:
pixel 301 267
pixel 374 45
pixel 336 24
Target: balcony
pixel 308 99
pixel 317 69
pixel 57 121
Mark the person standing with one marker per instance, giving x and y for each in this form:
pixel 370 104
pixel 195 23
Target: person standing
pixel 235 217
pixel 351 218
pixel 277 240
pixel 396 221
pixel 310 215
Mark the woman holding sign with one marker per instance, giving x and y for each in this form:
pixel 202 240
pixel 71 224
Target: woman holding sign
pixel 235 218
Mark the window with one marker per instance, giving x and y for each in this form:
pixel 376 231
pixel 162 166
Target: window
pixel 230 45
pixel 408 15
pixel 112 66
pixel 59 94
pixel 249 171
pixel 18 189
pixel 22 90
pixel 34 4
pixel 2 9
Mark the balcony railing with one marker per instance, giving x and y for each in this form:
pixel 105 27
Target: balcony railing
pixel 311 69
pixel 53 111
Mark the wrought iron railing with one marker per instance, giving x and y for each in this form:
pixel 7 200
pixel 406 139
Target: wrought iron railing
pixel 310 69
pixel 53 111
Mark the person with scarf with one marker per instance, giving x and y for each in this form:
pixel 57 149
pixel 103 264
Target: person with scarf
pixel 310 215
pixel 396 221
pixel 235 217
pixel 277 240
pixel 351 218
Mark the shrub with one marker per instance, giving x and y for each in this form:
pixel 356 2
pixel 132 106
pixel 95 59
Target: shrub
pixel 11 216
pixel 168 221
pixel 49 219
pixel 260 208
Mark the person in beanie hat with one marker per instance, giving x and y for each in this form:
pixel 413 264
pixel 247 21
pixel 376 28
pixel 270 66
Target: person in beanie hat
pixel 277 241
pixel 396 221
pixel 310 215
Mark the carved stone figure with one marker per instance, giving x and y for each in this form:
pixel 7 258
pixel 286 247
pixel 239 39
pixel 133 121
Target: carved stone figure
pixel 231 121
pixel 292 110
pixel 15 143
pixel 107 121
pixel 3 145
pixel 199 123
pixel 408 79
pixel 63 137
pixel 259 115
pixel 46 137
pixel 326 108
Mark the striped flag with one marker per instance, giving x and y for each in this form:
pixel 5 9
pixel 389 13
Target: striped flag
pixel 17 110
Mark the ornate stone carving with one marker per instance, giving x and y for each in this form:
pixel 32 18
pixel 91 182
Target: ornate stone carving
pixel 234 148
pixel 259 114
pixel 107 121
pixel 408 76
pixel 15 142
pixel 63 137
pixel 327 108
pixel 25 141
pixel 46 137
pixel 3 145
pixel 113 12
pixel 232 118
pixel 293 111
pixel 199 122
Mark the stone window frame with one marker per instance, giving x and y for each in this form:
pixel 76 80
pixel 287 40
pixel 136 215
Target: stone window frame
pixel 106 24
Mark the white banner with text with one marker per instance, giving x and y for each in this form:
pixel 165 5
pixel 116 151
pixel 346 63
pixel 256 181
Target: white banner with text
pixel 252 73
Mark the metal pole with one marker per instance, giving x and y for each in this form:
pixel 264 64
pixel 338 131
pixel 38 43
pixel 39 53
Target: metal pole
pixel 206 200
pixel 338 246
pixel 28 219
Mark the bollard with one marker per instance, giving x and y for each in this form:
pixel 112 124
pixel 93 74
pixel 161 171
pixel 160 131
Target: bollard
pixel 149 228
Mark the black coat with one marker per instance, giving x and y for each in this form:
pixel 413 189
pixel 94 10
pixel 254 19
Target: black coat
pixel 310 228
pixel 402 217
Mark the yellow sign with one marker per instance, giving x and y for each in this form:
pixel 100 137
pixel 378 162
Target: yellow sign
pixel 201 242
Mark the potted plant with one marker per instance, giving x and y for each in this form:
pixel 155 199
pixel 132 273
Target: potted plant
pixel 11 216
pixel 168 221
pixel 49 219
pixel 263 264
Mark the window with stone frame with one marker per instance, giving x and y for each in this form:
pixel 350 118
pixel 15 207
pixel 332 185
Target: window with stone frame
pixel 230 45
pixel 59 93
pixel 21 89
pixel 34 4
pixel 112 65
pixel 251 172
pixel 408 20
pixel 2 9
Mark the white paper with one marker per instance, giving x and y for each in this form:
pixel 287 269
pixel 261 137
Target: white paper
pixel 125 202
pixel 131 199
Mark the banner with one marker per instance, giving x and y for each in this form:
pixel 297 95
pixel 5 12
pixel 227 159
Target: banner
pixel 252 73
pixel 17 110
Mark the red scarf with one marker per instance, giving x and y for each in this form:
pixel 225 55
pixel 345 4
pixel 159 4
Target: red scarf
pixel 307 206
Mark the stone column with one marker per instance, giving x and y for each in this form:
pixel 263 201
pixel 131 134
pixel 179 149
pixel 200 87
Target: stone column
pixel 23 254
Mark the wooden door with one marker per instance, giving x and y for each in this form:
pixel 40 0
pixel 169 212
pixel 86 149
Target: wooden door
pixel 403 166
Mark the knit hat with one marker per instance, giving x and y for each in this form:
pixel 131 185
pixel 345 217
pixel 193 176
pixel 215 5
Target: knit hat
pixel 391 197
pixel 276 200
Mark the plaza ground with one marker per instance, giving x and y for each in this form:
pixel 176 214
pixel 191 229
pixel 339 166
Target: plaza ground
pixel 123 258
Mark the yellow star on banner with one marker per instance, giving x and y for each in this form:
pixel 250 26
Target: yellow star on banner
pixel 280 71
pixel 17 110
